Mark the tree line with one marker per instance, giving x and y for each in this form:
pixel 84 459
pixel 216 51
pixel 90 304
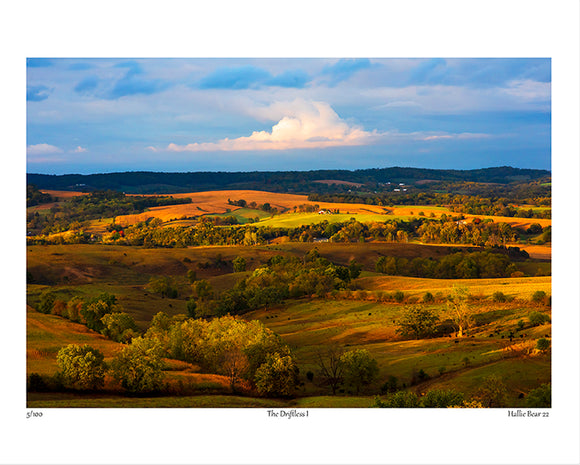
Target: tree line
pixel 76 212
pixel 446 230
pixel 492 203
pixel 140 182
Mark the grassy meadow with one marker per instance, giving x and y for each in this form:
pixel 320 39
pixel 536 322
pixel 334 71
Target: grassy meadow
pixel 366 315
pixel 311 325
pixel 215 203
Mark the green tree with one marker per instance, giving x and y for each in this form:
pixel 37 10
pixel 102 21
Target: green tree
pixel 354 269
pixel 538 318
pixel 359 368
pixel 96 308
pixel 441 398
pixel 428 298
pixel 277 376
pixel 543 344
pixel 239 264
pixel 73 309
pixel 540 397
pixel 202 290
pixel 191 307
pixel 138 367
pixel 400 399
pixel 119 327
pixel 223 348
pixel 492 392
pixel 418 322
pixel 163 286
pixel 81 367
pixel 46 302
pixel 499 296
pixel 538 296
pixel 191 276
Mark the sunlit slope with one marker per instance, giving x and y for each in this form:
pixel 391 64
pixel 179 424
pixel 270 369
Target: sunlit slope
pixel 312 327
pixel 522 288
pixel 47 334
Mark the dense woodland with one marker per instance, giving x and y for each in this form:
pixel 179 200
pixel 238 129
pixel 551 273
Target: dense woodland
pixel 303 182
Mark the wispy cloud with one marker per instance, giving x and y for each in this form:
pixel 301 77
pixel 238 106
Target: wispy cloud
pixel 42 149
pixel 131 84
pixel 37 93
pixel 79 149
pixel 528 90
pixel 457 136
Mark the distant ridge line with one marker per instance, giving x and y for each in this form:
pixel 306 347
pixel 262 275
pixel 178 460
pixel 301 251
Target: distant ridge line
pixel 281 181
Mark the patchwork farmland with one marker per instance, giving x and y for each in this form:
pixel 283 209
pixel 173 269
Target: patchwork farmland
pixel 250 298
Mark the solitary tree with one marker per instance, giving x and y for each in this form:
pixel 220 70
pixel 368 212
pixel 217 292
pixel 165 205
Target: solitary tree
pixel 354 269
pixel 191 276
pixel 234 363
pixel 239 264
pixel 492 392
pixel 202 289
pixel 360 369
pixel 331 366
pixel 81 367
pixel 418 322
pixel 163 286
pixel 191 307
pixel 458 310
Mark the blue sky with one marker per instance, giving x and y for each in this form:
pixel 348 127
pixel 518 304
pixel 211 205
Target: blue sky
pixel 105 115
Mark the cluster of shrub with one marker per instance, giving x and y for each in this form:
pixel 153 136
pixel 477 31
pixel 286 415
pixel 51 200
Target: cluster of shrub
pixel 281 278
pixel 421 322
pixel 35 197
pixel 99 204
pixel 454 266
pixel 229 346
pixel 238 349
pixel 477 199
pixel 480 233
pixel 138 368
pixel 151 233
pixel 101 314
pixel 491 394
pixel 266 207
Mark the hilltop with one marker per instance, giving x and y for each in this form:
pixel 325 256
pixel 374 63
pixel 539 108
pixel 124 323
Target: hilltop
pixel 300 182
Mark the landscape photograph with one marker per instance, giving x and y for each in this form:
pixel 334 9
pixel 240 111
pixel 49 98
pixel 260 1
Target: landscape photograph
pixel 289 233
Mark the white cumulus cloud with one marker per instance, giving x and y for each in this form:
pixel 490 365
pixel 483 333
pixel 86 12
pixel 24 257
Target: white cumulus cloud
pixel 301 124
pixel 41 149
